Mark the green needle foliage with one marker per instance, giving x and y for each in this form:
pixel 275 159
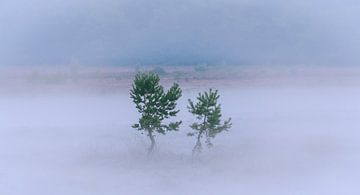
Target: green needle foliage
pixel 155 105
pixel 208 113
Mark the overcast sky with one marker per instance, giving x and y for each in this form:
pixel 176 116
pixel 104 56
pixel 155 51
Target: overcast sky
pixel 181 32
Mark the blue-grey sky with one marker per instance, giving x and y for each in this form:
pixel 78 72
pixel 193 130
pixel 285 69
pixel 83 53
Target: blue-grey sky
pixel 181 32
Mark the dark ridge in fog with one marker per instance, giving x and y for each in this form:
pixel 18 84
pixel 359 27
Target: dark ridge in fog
pixel 121 32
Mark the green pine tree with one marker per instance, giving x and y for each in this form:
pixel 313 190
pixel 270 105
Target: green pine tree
pixel 208 113
pixel 154 105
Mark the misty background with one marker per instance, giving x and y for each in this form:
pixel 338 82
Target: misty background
pixel 179 32
pixel 291 88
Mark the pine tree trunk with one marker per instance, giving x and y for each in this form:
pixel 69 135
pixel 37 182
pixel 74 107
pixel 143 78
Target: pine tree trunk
pixel 153 143
pixel 197 148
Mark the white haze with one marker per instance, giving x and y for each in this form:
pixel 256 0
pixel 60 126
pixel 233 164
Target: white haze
pixel 290 135
pixel 285 140
pixel 187 32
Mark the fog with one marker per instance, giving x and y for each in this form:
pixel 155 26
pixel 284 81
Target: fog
pixel 284 141
pixel 124 32
pixel 286 71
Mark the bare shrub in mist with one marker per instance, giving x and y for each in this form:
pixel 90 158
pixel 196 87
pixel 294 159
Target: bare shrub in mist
pixel 159 71
pixel 155 105
pixel 208 112
pixel 200 68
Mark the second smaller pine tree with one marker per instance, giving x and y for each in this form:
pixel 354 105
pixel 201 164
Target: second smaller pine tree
pixel 208 112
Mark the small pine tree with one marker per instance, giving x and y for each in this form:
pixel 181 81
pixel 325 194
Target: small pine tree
pixel 154 105
pixel 208 112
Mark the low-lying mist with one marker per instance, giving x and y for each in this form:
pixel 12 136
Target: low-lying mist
pixel 285 139
pixel 286 71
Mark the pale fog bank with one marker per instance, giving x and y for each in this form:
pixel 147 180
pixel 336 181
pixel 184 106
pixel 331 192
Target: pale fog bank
pixel 186 32
pixel 285 140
